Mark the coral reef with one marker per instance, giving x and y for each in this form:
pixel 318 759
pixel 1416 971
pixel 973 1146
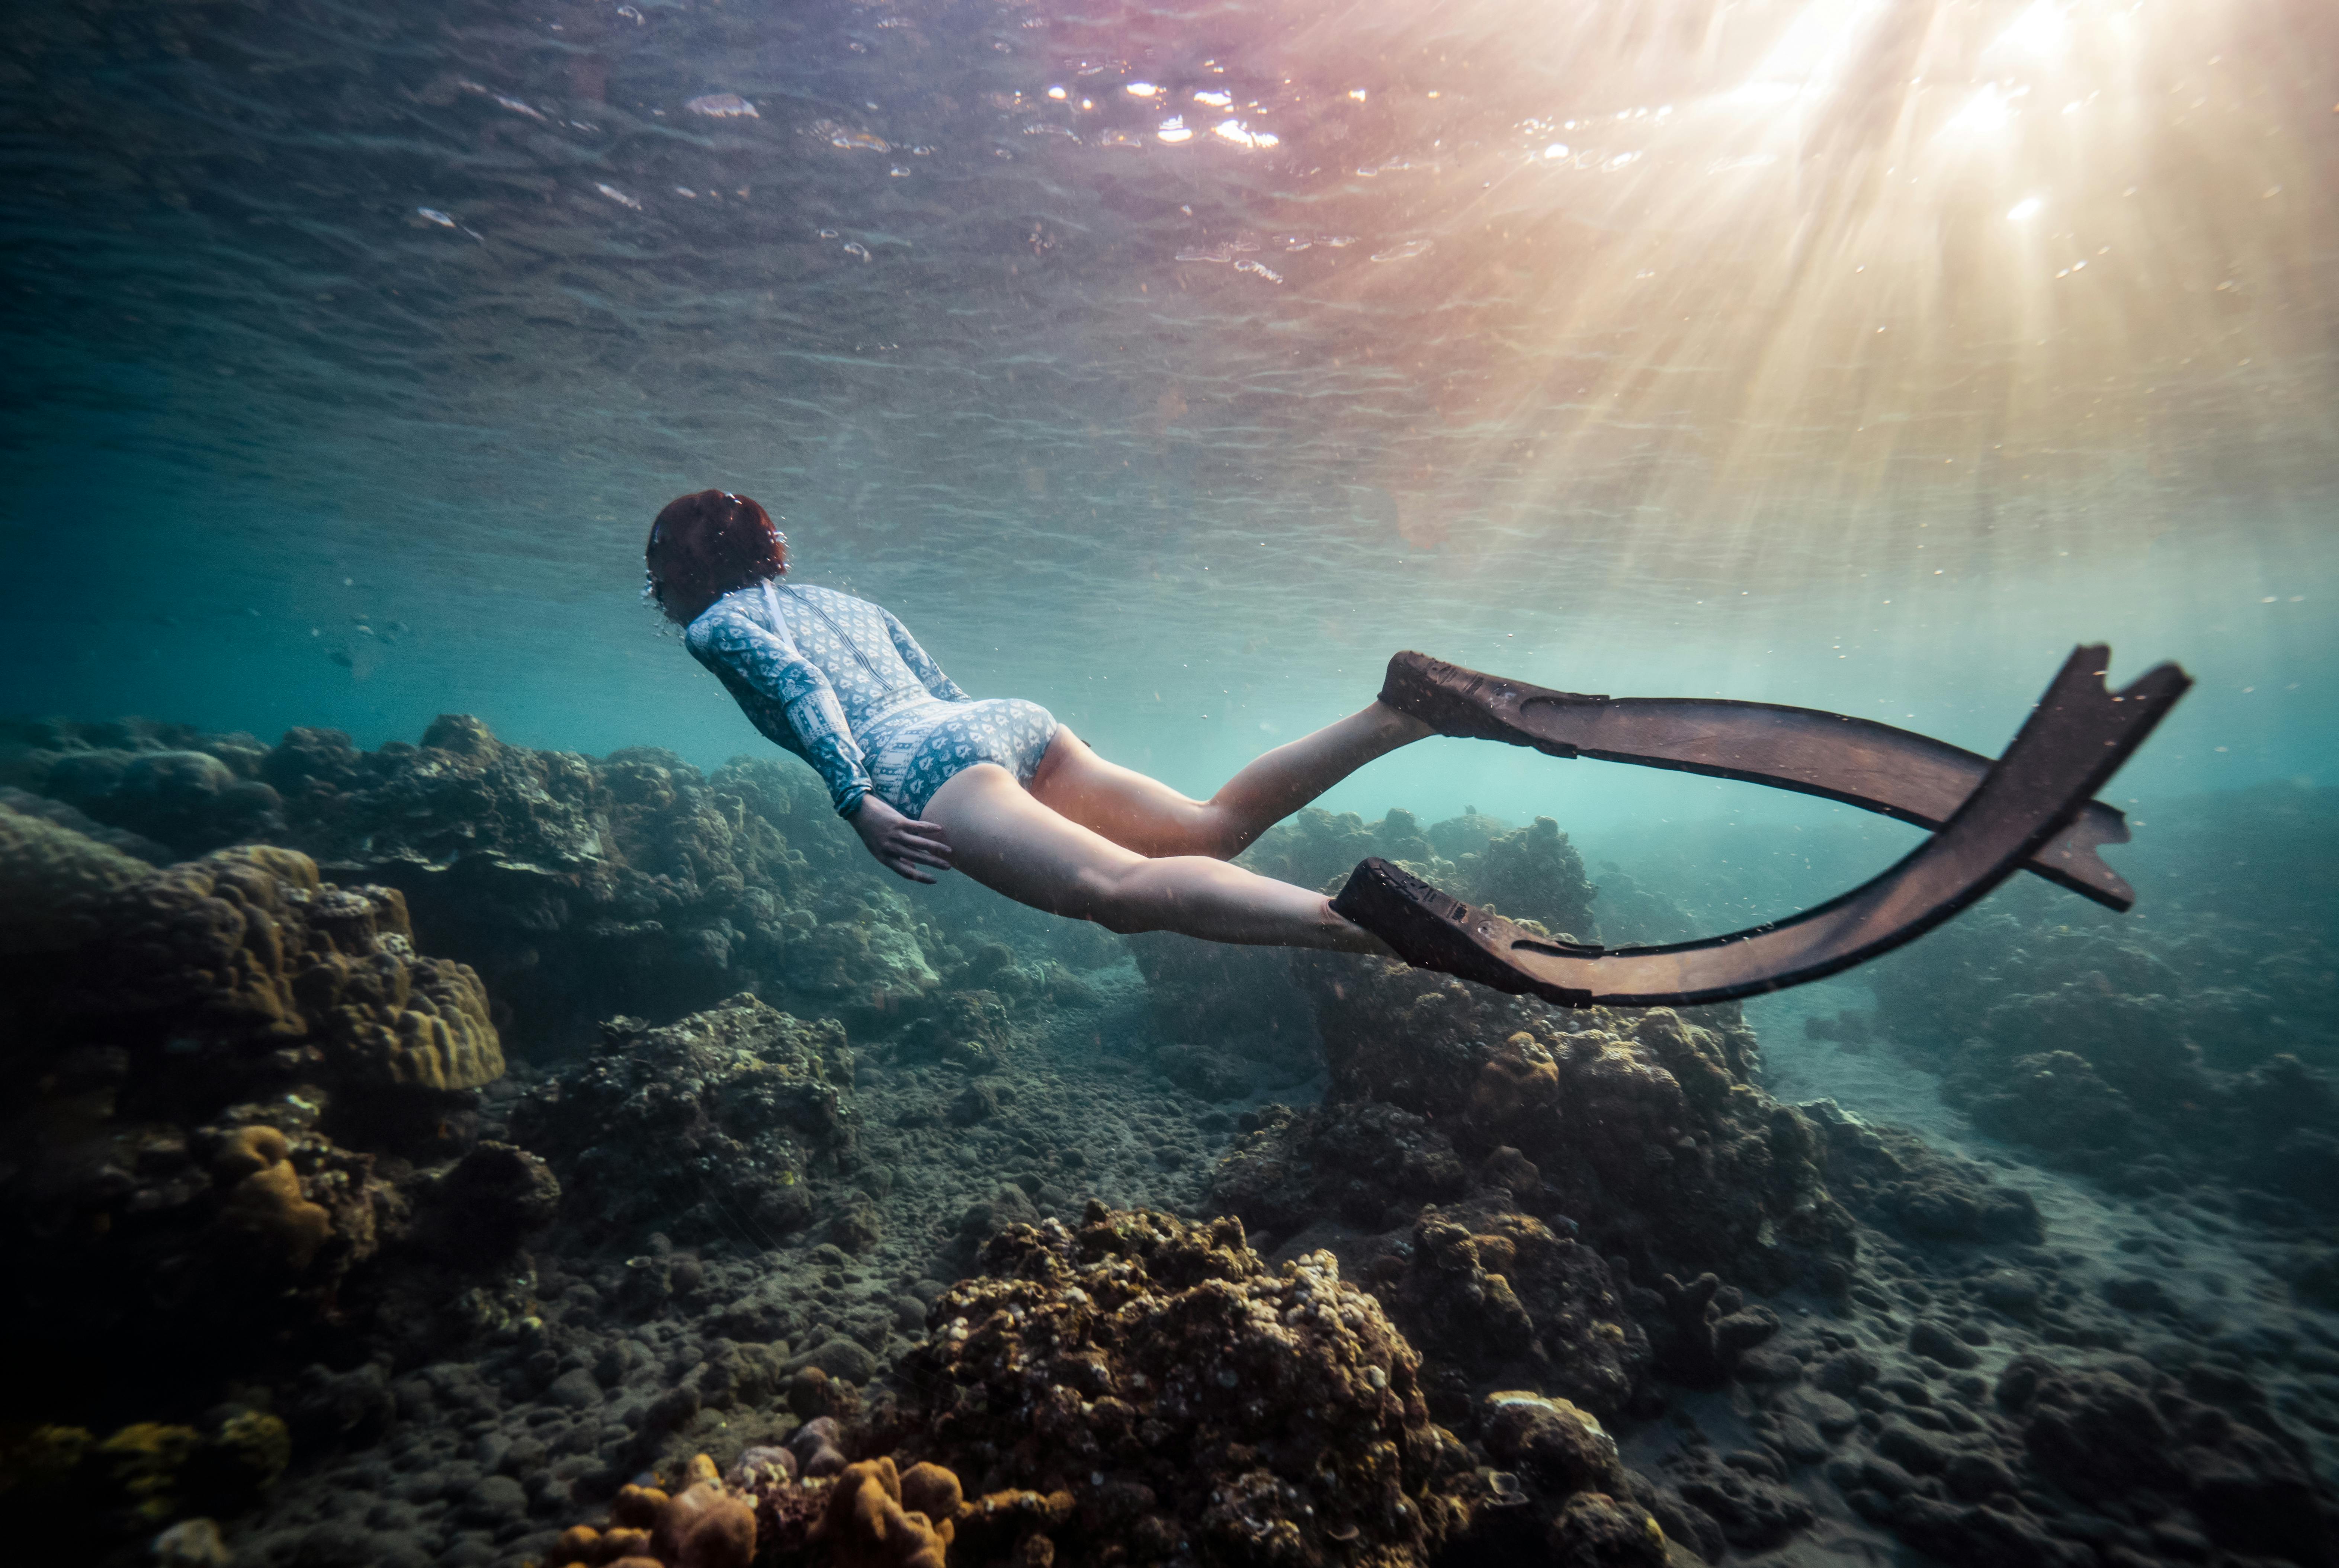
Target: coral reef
pixel 169 782
pixel 1508 1299
pixel 1181 1396
pixel 246 953
pixel 687 1274
pixel 45 867
pixel 634 885
pixel 2156 1063
pixel 1162 1373
pixel 1647 1126
pixel 579 889
pixel 717 1125
pixel 144 1475
pixel 1529 873
pixel 242 1140
pixel 1533 873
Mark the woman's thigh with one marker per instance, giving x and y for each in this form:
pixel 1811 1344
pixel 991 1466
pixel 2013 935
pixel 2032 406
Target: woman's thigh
pixel 1006 838
pixel 1135 811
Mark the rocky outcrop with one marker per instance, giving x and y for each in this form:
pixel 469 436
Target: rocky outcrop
pixel 172 783
pixel 2150 1058
pixel 1647 1126
pixel 241 1086
pixel 1185 1397
pixel 45 867
pixel 718 1125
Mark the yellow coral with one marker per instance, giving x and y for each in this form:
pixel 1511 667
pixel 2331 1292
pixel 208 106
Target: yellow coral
pixel 147 1460
pixel 43 867
pixel 254 1447
pixel 268 1204
pixel 251 938
pixel 247 1150
pixel 866 1525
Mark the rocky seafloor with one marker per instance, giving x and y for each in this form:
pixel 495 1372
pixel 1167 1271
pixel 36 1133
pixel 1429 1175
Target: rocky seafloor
pixel 464 1154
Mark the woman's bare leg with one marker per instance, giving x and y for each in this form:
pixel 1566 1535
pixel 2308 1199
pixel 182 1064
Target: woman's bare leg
pixel 1002 835
pixel 1147 816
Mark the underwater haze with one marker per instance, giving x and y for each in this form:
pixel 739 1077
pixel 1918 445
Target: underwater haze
pixel 469 1102
pixel 1173 368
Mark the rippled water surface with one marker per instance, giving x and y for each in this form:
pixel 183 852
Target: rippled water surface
pixel 1172 366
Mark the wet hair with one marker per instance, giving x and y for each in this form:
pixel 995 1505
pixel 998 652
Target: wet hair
pixel 707 545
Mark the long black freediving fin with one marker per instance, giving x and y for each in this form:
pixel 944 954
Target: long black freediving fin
pixel 1859 762
pixel 2077 737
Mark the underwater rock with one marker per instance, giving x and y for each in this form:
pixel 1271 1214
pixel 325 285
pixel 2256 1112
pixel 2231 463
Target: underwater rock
pixel 191 791
pixel 1177 1390
pixel 1503 1295
pixel 481 1211
pixel 1704 1330
pixel 1646 1125
pixel 1200 1070
pixel 1372 1165
pixel 715 1125
pixel 968 1028
pixel 45 866
pixel 1895 1180
pixel 2127 1434
pixel 2136 1051
pixel 860 954
pixel 1234 997
pixel 1532 873
pixel 2056 1099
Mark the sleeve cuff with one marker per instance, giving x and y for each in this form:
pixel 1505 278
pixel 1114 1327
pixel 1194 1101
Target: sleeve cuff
pixel 848 800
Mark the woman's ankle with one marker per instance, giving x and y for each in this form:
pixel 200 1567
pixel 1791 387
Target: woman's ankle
pixel 1399 729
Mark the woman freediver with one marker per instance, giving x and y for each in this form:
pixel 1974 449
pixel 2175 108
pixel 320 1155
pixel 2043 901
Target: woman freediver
pixel 933 779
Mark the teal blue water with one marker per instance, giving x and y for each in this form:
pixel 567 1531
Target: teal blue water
pixel 1173 365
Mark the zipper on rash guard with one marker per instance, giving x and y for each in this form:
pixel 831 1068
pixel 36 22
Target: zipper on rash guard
pixel 841 635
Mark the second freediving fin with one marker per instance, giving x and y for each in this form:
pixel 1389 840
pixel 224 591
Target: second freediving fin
pixel 1859 762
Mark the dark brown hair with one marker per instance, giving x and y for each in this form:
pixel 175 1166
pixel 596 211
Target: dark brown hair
pixel 706 545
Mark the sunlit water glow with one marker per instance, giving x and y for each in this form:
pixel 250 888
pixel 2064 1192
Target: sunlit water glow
pixel 1172 367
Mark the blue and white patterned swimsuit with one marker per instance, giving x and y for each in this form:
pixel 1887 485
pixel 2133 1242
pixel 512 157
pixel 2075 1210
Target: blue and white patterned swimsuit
pixel 841 683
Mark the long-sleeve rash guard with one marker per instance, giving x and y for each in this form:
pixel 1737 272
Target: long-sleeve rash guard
pixel 816 669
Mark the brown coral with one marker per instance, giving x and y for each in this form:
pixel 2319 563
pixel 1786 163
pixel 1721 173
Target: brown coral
pixel 1650 1120
pixel 249 945
pixel 866 1525
pixel 1176 1389
pixel 268 1204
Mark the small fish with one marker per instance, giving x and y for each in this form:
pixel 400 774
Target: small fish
pixel 616 195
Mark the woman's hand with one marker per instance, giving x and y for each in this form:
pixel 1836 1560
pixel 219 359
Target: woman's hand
pixel 902 844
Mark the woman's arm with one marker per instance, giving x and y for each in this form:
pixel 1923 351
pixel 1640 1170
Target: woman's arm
pixel 921 663
pixel 766 661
